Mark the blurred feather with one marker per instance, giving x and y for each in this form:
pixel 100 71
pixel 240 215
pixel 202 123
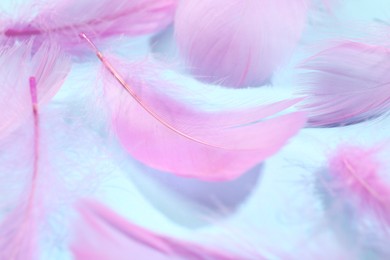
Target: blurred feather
pixel 62 21
pixel 346 84
pixel 356 198
pixel 169 135
pixel 355 179
pixel 238 43
pixel 102 235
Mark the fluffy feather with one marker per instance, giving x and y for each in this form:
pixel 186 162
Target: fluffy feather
pixel 63 20
pixel 169 135
pixel 238 43
pixel 30 84
pixel 103 235
pixel 346 84
pixel 355 180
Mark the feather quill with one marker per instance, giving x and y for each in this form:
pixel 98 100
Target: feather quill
pixel 346 84
pixel 36 80
pixel 166 134
pixel 104 235
pixel 238 43
pixel 62 21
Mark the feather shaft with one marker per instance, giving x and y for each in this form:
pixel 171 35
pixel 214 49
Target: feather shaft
pixel 28 211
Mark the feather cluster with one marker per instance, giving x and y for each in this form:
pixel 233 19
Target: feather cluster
pixel 184 144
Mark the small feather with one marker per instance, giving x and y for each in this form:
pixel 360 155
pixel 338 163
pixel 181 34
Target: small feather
pixel 347 84
pixel 355 178
pixel 238 43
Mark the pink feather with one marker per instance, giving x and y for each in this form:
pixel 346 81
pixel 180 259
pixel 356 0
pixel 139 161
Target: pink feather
pixel 62 21
pixel 30 81
pixel 18 64
pixel 169 135
pixel 238 43
pixel 103 235
pixel 346 84
pixel 356 179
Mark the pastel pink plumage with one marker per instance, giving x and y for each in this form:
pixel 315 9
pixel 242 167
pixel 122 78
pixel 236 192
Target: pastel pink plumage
pixel 346 84
pixel 356 178
pixel 62 21
pixel 169 135
pixel 238 43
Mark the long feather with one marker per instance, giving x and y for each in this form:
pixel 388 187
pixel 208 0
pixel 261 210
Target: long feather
pixel 238 43
pixel 63 20
pixel 171 136
pixel 347 84
pixel 36 80
pixel 104 235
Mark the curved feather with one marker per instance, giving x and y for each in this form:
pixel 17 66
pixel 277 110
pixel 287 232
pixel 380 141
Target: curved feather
pixel 48 66
pixel 347 84
pixel 63 20
pixel 238 43
pixel 104 235
pixel 169 135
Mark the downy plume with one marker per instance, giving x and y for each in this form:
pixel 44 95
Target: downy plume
pixel 355 194
pixel 355 178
